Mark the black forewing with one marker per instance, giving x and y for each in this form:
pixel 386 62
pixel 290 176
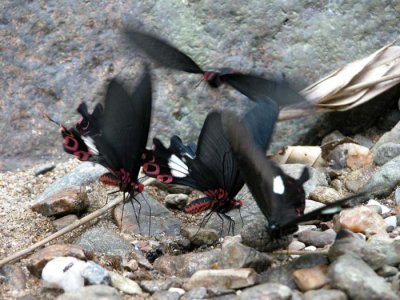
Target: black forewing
pixel 257 89
pixel 180 149
pixel 162 52
pixel 125 125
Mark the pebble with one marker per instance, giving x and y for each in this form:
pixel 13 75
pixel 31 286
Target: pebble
pixel 176 290
pixel 14 276
pixel 271 291
pixel 325 295
pixel 162 220
pixel 236 255
pixel 317 238
pixel 198 293
pixel 64 221
pixel 350 271
pixel 152 286
pixel 296 245
pixel 38 260
pixel 95 274
pixel 387 271
pixel 131 265
pixel 312 278
pixel 363 141
pixel 356 180
pixel 391 221
pixel 200 236
pixel 64 273
pixel 141 260
pixel 165 295
pixel 312 205
pixel 226 278
pixel 68 200
pixel 384 208
pixel 397 196
pixel 125 284
pixel 334 136
pixel 92 292
pixel 139 275
pixel 324 194
pixel 310 248
pixel 44 168
pixel 176 201
pixel 385 152
pixel 364 220
pixel 350 155
pixel 186 265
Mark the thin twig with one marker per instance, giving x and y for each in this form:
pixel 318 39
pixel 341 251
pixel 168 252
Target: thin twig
pixel 18 255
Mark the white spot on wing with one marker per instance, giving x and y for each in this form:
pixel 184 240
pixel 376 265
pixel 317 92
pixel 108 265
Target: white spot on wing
pixel 178 167
pixel 331 210
pixel 278 186
pixel 90 144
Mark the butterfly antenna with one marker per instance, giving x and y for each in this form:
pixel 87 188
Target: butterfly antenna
pixel 46 116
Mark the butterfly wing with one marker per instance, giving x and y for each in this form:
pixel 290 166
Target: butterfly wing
pixel 162 52
pixel 257 89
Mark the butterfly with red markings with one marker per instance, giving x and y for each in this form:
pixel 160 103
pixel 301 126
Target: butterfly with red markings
pixel 280 197
pixel 211 168
pixel 252 86
pixel 115 136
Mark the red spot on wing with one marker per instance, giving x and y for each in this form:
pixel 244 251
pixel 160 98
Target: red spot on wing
pixel 165 178
pixel 151 169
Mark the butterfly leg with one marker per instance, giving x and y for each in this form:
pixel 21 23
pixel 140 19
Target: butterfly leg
pixel 231 223
pixel 204 221
pixel 137 213
pixel 149 206
pixel 111 193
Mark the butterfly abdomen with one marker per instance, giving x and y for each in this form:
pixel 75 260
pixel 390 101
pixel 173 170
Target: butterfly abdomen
pixel 199 205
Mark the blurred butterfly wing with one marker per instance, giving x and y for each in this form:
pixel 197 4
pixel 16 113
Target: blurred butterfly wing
pixel 180 149
pixel 162 52
pixel 328 211
pixel 258 89
pixel 125 125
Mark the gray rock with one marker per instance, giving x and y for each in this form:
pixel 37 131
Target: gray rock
pixel 198 293
pixel 273 291
pixel 186 265
pixel 92 292
pixel 388 137
pixel 148 210
pixel 200 236
pixel 14 276
pixel 125 284
pixel 317 177
pixel 391 221
pixel 95 274
pixel 64 221
pixel 335 135
pixel 256 236
pixel 363 141
pixel 84 174
pixel 317 238
pixel 296 245
pixel 325 295
pixel 385 152
pixel 381 252
pixel 176 201
pixel 397 196
pixel 346 242
pixel 152 286
pixel 349 271
pixel 387 271
pixel 386 178
pixel 44 168
pixel 324 194
pixel 356 180
pixel 104 241
pixel 237 255
pixel 165 295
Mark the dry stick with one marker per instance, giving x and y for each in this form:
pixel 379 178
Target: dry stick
pixel 84 220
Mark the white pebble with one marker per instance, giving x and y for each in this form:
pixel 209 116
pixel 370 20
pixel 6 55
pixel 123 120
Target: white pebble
pixel 384 208
pixel 310 248
pixel 176 290
pixel 391 221
pixel 64 273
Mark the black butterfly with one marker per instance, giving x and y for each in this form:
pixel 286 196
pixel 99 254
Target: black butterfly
pixel 115 136
pixel 280 197
pixel 254 87
pixel 211 168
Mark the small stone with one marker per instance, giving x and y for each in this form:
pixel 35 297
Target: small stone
pixel 66 201
pixel 44 168
pixel 375 208
pixel 385 152
pixel 176 201
pixel 346 242
pixel 350 155
pixel 362 219
pixel 186 265
pixel 391 221
pixel 141 260
pixel 312 278
pixel 165 295
pixel 95 275
pixel 334 136
pixel 14 276
pixel 92 292
pixel 200 236
pixel 363 141
pixel 355 180
pixel 64 273
pixel 139 275
pixel 325 295
pixel 312 205
pixel 226 278
pixel 152 286
pixel 296 246
pixel 64 221
pixel 397 196
pixel 324 194
pixel 317 238
pixel 310 248
pixel 38 260
pixel 387 271
pixel 349 271
pixel 176 290
pixel 131 265
pixel 384 208
pixel 124 284
pixel 198 293
pixel 271 291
